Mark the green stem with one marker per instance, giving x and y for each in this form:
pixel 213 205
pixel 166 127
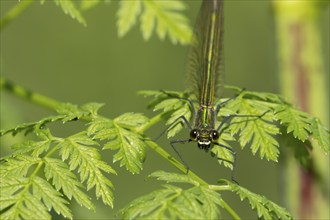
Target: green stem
pixel 14 12
pixel 220 187
pixel 29 95
pixel 52 104
pixel 151 122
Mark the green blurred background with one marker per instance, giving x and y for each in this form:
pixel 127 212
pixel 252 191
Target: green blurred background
pixel 52 54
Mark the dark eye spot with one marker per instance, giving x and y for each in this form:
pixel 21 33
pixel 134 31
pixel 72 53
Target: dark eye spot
pixel 215 135
pixel 193 134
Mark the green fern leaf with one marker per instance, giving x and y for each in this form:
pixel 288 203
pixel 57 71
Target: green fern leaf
pixel 173 103
pixel 130 145
pixel 70 111
pixel 197 202
pixel 51 198
pixel 169 21
pixel 321 135
pixel 18 166
pixel 63 178
pixel 127 15
pixel 29 127
pixel 259 132
pixel 173 177
pixel 211 202
pixel 68 7
pixel 26 207
pixel 88 4
pixel 17 202
pixel 131 120
pixel 87 160
pixel 265 208
pixel 296 121
pixel 92 108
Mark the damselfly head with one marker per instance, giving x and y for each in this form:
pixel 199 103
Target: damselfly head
pixel 204 137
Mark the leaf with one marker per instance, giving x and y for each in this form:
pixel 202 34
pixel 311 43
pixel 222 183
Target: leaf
pixel 257 128
pixel 63 178
pixel 264 207
pixel 68 7
pixel 87 159
pixel 130 145
pixel 29 127
pixel 18 166
pixel 296 121
pixel 51 198
pixel 92 108
pixel 173 177
pixel 169 21
pixel 321 134
pixel 26 206
pixel 131 120
pixel 37 147
pixel 88 4
pixel 127 15
pixel 171 202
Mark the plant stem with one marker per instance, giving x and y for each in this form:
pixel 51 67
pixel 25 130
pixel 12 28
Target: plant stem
pixel 14 12
pixel 303 80
pixel 52 104
pixel 29 95
pixel 151 122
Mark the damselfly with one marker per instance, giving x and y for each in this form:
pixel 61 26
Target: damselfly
pixel 205 59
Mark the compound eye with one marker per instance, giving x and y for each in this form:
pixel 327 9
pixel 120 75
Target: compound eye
pixel 193 134
pixel 215 135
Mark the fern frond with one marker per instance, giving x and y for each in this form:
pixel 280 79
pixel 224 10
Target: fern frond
pixel 88 4
pixel 172 103
pixel 169 21
pixel 51 198
pixel 22 183
pixel 259 132
pixel 173 177
pixel 63 178
pixel 265 208
pixel 76 150
pixel 119 134
pixel 18 166
pixel 321 134
pixel 127 15
pixel 29 127
pixel 164 16
pixel 296 121
pixel 69 8
pixel 197 202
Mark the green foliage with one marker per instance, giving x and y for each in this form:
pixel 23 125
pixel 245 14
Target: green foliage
pixel 119 136
pixel 68 7
pixel 166 14
pixel 46 173
pixel 172 202
pixel 163 17
pixel 266 209
pixel 70 165
pixel 195 202
pixel 256 125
